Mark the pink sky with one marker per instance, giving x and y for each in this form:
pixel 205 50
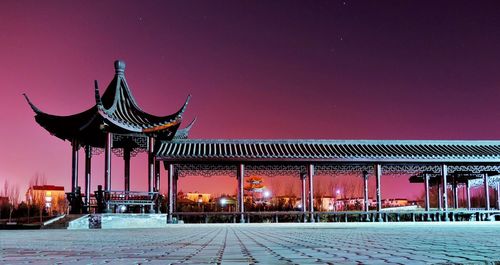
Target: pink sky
pixel 320 70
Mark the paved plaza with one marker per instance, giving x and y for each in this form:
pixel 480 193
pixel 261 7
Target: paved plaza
pixel 337 243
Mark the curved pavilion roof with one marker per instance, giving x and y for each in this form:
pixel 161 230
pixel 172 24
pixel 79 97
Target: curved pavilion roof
pixel 115 111
pixel 201 150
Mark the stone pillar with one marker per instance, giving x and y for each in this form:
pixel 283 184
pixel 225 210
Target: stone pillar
pixel 240 175
pixel 74 165
pixel 378 175
pixel 426 185
pixel 303 198
pixel 310 172
pixel 444 172
pixel 486 192
pixel 88 175
pixel 126 170
pixel 170 192
pixel 151 164
pixel 467 192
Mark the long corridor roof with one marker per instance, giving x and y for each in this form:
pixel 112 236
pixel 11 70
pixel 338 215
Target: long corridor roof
pixel 202 150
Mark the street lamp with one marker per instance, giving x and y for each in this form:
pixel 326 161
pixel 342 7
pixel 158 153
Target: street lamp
pixel 48 202
pixel 123 208
pixel 223 202
pixel 200 200
pixel 337 197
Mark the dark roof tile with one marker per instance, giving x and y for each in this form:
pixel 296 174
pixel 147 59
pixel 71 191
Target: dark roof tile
pixel 330 150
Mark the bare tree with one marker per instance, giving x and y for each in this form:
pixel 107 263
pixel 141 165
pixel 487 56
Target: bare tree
pixel 38 180
pixel 11 192
pixel 37 199
pixel 276 184
pixel 290 188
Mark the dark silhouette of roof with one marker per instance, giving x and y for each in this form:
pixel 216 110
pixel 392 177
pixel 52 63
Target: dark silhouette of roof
pixel 115 111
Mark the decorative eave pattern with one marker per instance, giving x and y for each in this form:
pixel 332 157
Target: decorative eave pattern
pixel 330 151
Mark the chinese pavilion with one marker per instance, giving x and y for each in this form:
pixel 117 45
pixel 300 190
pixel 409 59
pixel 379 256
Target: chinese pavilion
pixel 116 123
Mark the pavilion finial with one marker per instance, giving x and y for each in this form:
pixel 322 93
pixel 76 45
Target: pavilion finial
pixel 120 67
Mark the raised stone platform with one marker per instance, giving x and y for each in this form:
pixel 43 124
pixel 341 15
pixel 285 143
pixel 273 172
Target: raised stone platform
pixel 114 221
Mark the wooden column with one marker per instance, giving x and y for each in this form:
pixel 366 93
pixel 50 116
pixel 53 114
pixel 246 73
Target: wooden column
pixel 440 196
pixel 455 193
pixel 107 162
pixel 88 175
pixel 303 198
pixel 157 176
pixel 467 192
pixel 170 192
pixel 107 169
pixel 486 192
pixel 151 164
pixel 426 184
pixel 175 186
pixel 378 175
pixel 240 175
pixel 74 165
pixel 310 173
pixel 126 170
pixel 444 172
pixel 498 195
pixel 365 186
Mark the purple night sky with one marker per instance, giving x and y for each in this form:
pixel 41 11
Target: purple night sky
pixel 255 69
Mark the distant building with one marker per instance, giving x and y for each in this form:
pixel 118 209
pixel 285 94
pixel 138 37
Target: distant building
pixel 351 204
pixel 4 200
pixel 51 197
pixel 198 197
pixel 287 202
pixel 334 203
pixel 226 203
pixel 395 202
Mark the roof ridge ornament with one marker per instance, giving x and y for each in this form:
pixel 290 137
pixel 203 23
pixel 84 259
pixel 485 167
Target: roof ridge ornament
pixel 98 100
pixel 120 67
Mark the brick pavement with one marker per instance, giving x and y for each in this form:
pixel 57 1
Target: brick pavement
pixel 325 243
